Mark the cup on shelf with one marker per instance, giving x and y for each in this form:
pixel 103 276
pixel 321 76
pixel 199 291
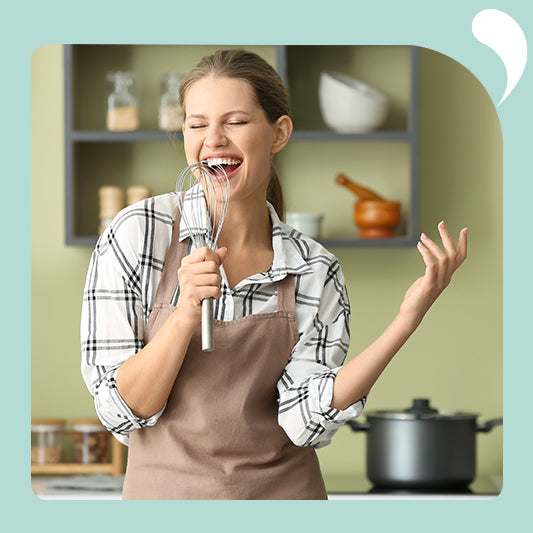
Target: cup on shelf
pixel 309 224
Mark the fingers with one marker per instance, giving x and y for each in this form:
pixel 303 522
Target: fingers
pixel 445 262
pixel 447 240
pixel 441 260
pixel 202 255
pixel 429 260
pixel 199 275
pixel 461 247
pixel 222 252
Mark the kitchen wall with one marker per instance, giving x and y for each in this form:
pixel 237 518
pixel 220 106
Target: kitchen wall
pixel 455 358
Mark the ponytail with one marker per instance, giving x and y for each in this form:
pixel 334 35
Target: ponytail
pixel 275 193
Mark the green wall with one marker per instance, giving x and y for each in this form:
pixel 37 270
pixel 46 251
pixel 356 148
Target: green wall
pixel 455 358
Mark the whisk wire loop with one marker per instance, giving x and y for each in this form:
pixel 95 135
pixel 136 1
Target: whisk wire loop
pixel 203 200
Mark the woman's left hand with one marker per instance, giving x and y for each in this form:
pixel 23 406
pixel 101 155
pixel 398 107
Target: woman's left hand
pixel 440 265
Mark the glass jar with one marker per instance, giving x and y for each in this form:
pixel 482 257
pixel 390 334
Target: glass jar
pixel 122 112
pixel 47 441
pixel 111 201
pixel 90 442
pixel 170 110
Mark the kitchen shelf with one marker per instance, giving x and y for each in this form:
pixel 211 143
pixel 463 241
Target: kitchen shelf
pixel 297 135
pixel 115 467
pixel 298 66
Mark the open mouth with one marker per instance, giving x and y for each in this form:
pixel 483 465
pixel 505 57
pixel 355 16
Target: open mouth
pixel 228 164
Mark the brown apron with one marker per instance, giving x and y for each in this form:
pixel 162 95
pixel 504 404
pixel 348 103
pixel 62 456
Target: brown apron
pixel 219 437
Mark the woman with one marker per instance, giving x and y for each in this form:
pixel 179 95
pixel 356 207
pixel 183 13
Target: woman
pixel 241 422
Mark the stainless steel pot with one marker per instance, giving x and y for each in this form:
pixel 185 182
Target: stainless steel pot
pixel 421 447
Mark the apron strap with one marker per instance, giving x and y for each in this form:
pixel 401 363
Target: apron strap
pixel 286 295
pixel 169 277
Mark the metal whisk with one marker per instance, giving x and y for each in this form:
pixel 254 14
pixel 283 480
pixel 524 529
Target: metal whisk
pixel 203 201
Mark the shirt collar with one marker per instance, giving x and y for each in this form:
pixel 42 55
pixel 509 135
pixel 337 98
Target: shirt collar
pixel 288 249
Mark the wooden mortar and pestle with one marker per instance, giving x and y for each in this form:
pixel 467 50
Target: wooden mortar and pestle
pixel 375 217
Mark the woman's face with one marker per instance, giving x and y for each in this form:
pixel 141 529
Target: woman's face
pixel 224 125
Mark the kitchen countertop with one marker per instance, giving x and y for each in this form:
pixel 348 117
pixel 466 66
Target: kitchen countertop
pixel 339 487
pixel 358 487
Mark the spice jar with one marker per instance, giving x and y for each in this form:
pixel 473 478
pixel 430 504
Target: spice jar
pixel 90 442
pixel 170 110
pixel 136 193
pixel 111 202
pixel 47 436
pixel 122 113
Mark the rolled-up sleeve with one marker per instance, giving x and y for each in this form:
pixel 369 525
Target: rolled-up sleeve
pixel 112 330
pixel 306 385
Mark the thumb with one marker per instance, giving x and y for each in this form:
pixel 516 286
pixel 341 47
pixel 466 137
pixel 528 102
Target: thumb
pixel 222 252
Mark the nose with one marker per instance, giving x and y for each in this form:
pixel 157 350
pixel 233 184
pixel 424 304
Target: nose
pixel 215 136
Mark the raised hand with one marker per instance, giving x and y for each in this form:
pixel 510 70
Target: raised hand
pixel 440 266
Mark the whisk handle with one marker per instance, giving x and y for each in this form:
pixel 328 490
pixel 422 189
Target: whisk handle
pixel 208 343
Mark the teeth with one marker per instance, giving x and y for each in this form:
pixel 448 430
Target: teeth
pixel 222 161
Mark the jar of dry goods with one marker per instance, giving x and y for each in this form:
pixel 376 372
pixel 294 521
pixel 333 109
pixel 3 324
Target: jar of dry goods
pixel 111 202
pixel 47 440
pixel 90 442
pixel 170 110
pixel 122 112
pixel 136 193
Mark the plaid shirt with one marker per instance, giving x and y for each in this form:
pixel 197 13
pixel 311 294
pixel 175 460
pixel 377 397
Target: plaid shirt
pixel 122 279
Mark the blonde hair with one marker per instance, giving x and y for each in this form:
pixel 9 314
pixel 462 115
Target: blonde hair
pixel 269 92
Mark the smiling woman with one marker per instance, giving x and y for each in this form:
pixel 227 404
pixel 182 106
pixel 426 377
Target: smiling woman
pixel 243 421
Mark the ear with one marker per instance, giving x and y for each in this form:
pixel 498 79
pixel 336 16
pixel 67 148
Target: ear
pixel 282 132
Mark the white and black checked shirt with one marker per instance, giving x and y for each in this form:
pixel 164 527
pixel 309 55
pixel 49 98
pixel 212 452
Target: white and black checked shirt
pixel 122 279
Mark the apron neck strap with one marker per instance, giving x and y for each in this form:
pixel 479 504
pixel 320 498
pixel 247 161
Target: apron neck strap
pixel 286 295
pixel 176 252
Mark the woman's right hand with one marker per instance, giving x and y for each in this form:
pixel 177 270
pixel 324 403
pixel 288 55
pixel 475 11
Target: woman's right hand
pixel 199 278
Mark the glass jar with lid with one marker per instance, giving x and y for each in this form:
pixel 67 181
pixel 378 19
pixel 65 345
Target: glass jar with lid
pixel 90 441
pixel 47 440
pixel 170 110
pixel 122 108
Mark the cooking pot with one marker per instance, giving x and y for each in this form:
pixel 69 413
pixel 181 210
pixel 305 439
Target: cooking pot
pixel 421 447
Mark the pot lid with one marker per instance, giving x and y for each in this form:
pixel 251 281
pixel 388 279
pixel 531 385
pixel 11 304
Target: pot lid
pixel 420 410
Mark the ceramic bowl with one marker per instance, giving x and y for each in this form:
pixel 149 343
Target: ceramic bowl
pixel 349 105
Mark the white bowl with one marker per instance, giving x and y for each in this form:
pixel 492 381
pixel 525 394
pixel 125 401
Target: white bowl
pixel 307 223
pixel 349 105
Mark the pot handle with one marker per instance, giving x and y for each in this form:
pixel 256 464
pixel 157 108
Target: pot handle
pixel 358 426
pixel 489 424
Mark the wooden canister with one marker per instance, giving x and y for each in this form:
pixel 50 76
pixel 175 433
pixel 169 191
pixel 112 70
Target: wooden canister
pixel 111 202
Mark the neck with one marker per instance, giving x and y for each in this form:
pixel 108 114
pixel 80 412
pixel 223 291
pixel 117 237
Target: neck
pixel 247 225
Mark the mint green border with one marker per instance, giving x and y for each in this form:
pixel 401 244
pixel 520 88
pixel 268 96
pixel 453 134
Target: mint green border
pixel 441 26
